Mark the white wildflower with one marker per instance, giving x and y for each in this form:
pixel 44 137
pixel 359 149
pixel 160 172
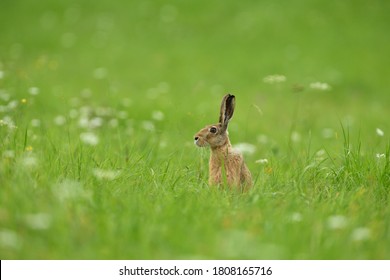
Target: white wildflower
pixel 163 144
pixel 73 113
pixel 33 91
pixel 95 122
pixel 262 161
pixel 245 148
pixel 274 79
pixel 5 96
pixel 263 139
pixel 163 87
pixel 337 222
pixel 127 102
pixel 328 133
pixel 86 93
pixel 12 105
pixel 122 115
pixel 39 221
pixel 380 156
pixel 35 123
pixel 320 155
pixel 295 136
pixel 380 132
pixel 361 234
pixel 100 73
pixel 29 161
pixel 8 154
pixel 148 126
pixel 10 239
pixel 320 86
pixel 70 190
pixel 84 122
pixel 60 120
pixel 296 217
pixel 113 123
pixel 89 138
pixel 105 174
pixel 158 115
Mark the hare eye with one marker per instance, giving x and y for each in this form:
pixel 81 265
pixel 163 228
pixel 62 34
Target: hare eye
pixel 213 129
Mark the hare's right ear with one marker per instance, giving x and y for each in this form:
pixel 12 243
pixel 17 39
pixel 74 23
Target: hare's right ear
pixel 227 110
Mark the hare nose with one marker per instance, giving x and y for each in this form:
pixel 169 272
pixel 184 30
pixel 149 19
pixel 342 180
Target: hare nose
pixel 196 138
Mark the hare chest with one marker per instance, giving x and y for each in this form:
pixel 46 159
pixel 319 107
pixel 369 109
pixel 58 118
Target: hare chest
pixel 229 169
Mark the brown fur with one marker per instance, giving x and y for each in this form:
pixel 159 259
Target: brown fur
pixel 223 158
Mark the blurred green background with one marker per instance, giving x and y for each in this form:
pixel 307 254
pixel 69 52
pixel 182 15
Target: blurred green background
pixel 154 73
pixel 194 52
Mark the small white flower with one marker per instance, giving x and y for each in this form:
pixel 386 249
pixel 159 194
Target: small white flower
pixel 39 221
pixel 69 190
pixel 320 153
pixel 89 138
pixel 337 222
pixel 328 133
pixel 9 238
pixel 163 87
pixel 84 122
pixel 12 105
pixel 127 102
pixel 122 115
pixel 100 73
pixel 33 91
pixel 380 155
pixel 295 136
pixel 262 161
pixel 380 132
pixel 296 217
pixel 60 120
pixel 113 123
pixel 5 96
pixel 274 79
pixel 263 139
pixel 104 174
pixel 73 113
pixel 8 154
pixel 163 144
pixel 158 115
pixel 245 148
pixel 320 86
pixel 35 123
pixel 148 126
pixel 95 122
pixel 360 234
pixel 29 161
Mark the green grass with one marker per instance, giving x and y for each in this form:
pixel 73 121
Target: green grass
pixel 136 80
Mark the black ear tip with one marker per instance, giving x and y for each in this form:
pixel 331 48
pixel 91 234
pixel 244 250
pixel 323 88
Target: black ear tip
pixel 230 96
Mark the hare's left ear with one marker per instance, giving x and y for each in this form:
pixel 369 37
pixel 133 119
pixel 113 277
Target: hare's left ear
pixel 227 110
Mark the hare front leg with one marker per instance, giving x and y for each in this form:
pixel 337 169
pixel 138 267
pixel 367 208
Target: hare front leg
pixel 215 173
pixel 233 170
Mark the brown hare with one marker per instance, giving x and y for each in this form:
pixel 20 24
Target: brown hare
pixel 224 159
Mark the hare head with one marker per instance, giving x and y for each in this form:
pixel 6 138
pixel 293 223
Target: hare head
pixel 216 135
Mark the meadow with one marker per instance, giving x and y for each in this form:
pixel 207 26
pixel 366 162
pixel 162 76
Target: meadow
pixel 99 102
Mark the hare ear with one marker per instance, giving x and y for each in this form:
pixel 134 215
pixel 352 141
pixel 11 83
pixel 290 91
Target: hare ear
pixel 227 110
